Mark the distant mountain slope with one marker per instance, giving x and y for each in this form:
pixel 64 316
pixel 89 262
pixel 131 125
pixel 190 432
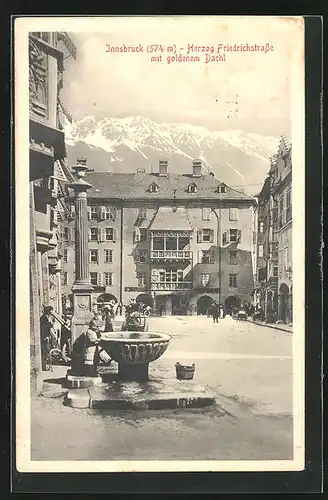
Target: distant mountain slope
pixel 127 144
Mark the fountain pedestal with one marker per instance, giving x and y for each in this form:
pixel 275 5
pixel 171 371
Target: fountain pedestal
pixel 133 351
pixel 133 372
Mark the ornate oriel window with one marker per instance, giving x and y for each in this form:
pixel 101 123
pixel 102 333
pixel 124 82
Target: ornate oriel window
pixel 38 79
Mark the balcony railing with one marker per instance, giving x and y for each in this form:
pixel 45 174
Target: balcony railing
pixel 171 254
pixel 179 285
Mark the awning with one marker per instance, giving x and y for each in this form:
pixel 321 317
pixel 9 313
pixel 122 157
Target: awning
pixel 168 220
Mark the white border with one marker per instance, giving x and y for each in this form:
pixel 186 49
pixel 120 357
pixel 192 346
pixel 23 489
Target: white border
pixel 23 423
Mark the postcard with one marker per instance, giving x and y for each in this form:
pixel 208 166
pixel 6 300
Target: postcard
pixel 159 243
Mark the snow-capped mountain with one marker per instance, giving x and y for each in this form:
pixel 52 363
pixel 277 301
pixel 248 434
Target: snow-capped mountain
pixel 126 144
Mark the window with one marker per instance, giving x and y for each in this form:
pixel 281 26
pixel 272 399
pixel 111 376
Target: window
pixel 285 258
pixel 261 227
pixel 275 271
pixel 289 205
pixel 140 234
pixel 205 235
pixel 108 213
pixel 66 233
pixel 142 213
pixel 72 210
pixel 93 234
pixel 108 256
pixel 158 243
pixel 142 279
pixel 280 221
pixel 205 279
pixel 142 256
pixel 274 215
pixel 153 188
pixel 65 255
pixel 65 279
pixel 222 188
pixel 234 235
pixel 274 251
pixel 93 213
pixel 260 252
pixel 206 257
pixel 192 188
pixel 171 243
pixel 143 234
pixel 94 278
pixel 231 236
pixel 254 237
pixel 233 213
pixel 233 280
pixel 108 279
pixel 109 234
pixel 171 276
pixel 233 257
pixel 206 213
pixel 93 256
pixel 281 204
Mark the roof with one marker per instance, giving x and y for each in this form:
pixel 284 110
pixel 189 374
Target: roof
pixel 167 219
pixel 132 186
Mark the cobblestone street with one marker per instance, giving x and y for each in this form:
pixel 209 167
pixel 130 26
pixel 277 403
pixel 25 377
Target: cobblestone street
pixel 247 367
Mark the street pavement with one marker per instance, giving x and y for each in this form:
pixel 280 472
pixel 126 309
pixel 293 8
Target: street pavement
pixel 248 368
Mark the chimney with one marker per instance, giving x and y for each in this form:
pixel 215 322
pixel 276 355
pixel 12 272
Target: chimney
pixel 163 168
pixel 197 168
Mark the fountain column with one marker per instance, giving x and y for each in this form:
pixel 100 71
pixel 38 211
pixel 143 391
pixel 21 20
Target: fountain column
pixel 82 288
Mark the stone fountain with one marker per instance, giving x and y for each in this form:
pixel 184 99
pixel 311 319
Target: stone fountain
pixel 133 351
pixel 127 385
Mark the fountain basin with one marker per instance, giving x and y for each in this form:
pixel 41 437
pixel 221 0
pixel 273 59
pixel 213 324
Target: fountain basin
pixel 133 351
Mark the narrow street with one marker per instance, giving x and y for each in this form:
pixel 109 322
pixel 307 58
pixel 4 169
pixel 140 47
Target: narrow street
pixel 247 367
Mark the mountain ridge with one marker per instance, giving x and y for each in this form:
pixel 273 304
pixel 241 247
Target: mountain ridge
pixel 131 143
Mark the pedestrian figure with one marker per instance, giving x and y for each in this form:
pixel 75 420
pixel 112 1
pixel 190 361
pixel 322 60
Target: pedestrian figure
pixel 92 338
pixel 108 314
pixel 215 313
pixel 46 332
pixel 65 334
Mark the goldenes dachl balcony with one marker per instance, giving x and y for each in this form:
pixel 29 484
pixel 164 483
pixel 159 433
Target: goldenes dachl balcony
pixel 171 255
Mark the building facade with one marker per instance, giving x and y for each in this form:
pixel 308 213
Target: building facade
pixel 273 287
pixel 281 172
pixel 47 172
pixel 175 242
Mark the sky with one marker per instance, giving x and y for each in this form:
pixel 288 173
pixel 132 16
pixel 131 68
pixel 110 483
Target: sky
pixel 106 84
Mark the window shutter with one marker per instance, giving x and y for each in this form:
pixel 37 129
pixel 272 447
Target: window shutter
pixel 200 256
pixel 103 213
pixel 89 233
pixel 136 235
pixel 238 235
pixel 113 213
pixel 114 234
pixel 99 279
pixel 199 236
pixel 72 233
pixel 211 236
pixel 89 212
pixel 73 210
